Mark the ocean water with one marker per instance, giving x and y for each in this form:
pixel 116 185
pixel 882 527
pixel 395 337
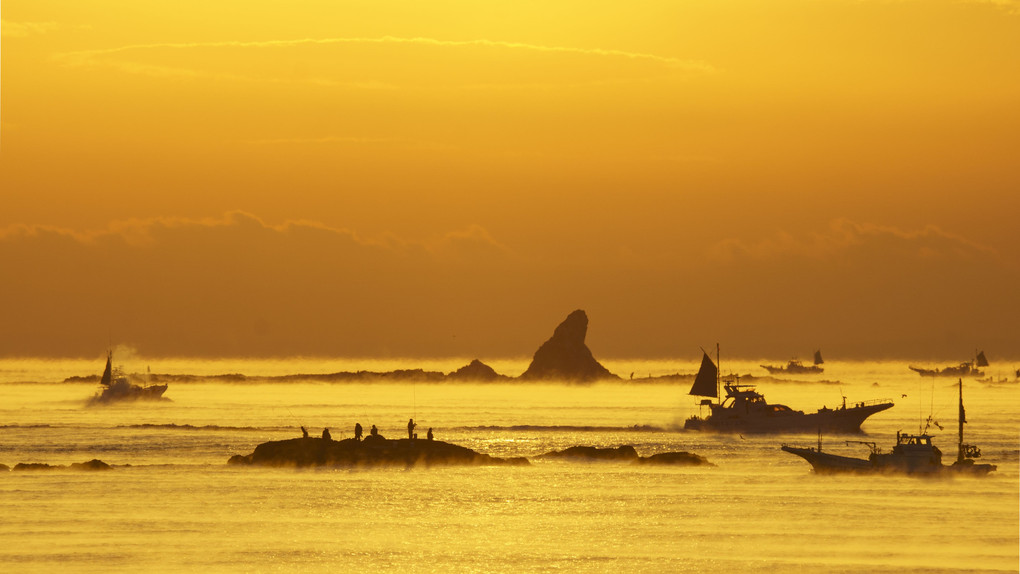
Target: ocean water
pixel 172 504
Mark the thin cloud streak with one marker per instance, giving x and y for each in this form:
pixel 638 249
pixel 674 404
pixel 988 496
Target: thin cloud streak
pixel 88 56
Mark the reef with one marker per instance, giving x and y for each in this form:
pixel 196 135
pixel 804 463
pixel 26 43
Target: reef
pixel 565 356
pixel 372 452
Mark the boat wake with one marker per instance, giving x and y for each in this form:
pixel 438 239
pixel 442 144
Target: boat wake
pixel 563 428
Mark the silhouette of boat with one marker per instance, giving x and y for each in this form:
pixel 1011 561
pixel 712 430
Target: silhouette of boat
pixel 964 369
pixel 745 409
pixel 795 367
pixel 117 388
pixel 913 454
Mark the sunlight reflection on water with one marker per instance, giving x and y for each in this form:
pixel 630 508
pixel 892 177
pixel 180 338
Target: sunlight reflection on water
pixel 178 506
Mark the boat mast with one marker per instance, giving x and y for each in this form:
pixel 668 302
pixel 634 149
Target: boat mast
pixel 962 418
pixel 718 375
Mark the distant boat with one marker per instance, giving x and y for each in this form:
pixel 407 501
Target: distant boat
pixel 115 387
pixel 965 369
pixel 795 367
pixel 913 454
pixel 746 410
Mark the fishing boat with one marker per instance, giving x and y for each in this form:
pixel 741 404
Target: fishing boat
pixel 913 454
pixel 795 367
pixel 115 387
pixel 745 409
pixel 964 369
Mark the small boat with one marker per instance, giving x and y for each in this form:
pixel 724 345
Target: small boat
pixel 745 409
pixel 795 367
pixel 115 387
pixel 964 369
pixel 913 454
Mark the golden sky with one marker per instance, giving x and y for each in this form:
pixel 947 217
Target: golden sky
pixel 452 178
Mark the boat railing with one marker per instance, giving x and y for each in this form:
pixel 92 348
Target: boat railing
pixel 871 403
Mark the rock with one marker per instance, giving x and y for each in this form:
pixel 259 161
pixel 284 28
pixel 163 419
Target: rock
pixel 34 466
pixel 565 357
pixel 374 452
pixel 475 371
pixel 4 468
pixel 677 458
pixel 625 452
pixel 94 464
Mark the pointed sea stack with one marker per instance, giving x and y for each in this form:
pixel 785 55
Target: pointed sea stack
pixel 565 357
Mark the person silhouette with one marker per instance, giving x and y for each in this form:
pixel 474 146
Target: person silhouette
pixel 357 431
pixel 326 435
pixel 304 432
pixel 430 433
pixel 410 428
pixel 374 431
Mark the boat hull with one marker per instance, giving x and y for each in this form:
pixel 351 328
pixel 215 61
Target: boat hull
pixel 827 463
pixel 842 420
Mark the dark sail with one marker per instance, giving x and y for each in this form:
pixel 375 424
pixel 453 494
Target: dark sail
pixel 705 384
pixel 981 360
pixel 108 373
pixel 818 358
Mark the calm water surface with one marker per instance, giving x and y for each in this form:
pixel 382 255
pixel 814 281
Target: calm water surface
pixel 172 504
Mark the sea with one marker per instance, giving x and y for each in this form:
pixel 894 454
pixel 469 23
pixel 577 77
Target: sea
pixel 171 503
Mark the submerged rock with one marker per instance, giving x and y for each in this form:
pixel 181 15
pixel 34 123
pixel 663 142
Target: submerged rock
pixel 676 458
pixel 625 452
pixel 371 453
pixel 565 357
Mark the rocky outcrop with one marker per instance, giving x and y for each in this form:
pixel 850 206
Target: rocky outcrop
pixel 94 464
pixel 373 452
pixel 476 371
pixel 625 452
pixel 675 458
pixel 565 357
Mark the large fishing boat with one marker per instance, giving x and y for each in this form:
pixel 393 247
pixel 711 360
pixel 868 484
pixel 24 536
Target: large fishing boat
pixel 913 454
pixel 964 369
pixel 117 388
pixel 745 409
pixel 795 367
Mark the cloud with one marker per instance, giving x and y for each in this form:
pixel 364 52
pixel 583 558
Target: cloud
pixel 693 65
pixel 455 65
pixel 235 285
pixel 844 236
pixel 10 29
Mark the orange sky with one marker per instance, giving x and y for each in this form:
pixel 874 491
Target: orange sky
pixel 452 178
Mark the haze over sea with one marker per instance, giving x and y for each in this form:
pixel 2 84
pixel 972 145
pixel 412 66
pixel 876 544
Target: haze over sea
pixel 173 504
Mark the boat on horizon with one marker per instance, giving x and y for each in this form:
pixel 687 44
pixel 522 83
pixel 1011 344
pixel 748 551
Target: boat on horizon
pixel 745 409
pixel 913 454
pixel 115 387
pixel 795 367
pixel 964 369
